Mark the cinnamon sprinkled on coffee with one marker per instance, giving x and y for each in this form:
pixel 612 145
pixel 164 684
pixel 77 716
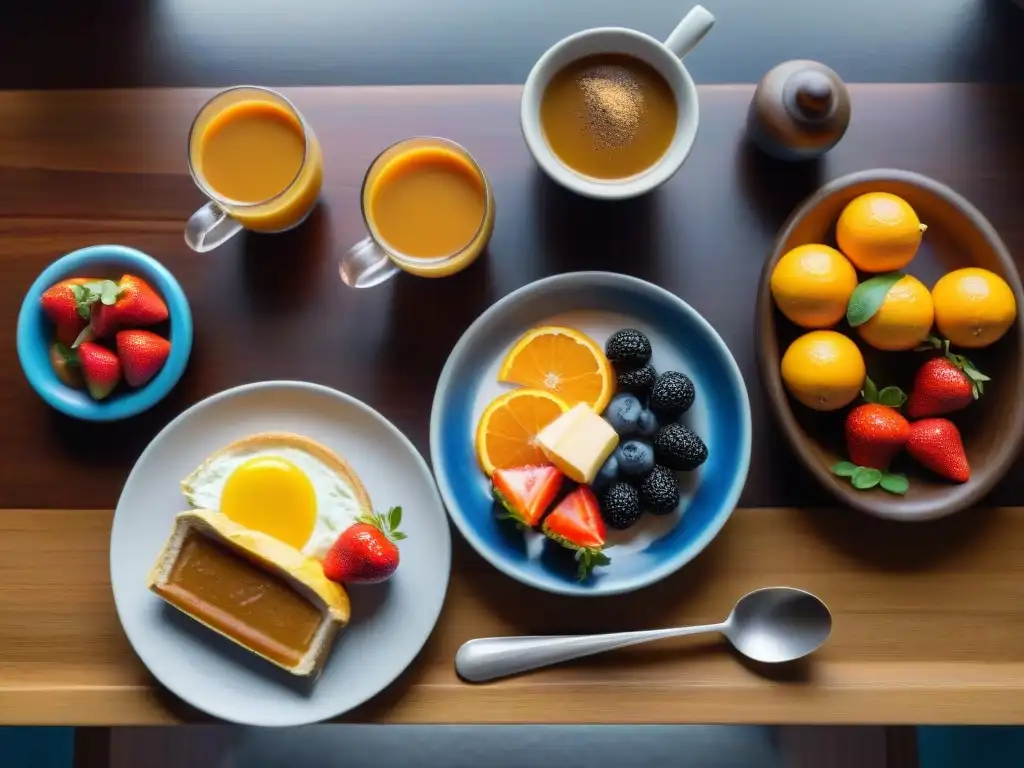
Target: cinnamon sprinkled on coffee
pixel 614 105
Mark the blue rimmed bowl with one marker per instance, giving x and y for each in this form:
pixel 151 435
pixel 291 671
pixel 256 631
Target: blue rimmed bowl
pixel 598 303
pixel 35 333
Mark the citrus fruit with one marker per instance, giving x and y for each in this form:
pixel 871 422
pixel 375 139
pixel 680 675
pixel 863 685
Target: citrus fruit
pixel 879 232
pixel 905 318
pixel 508 426
pixel 973 307
pixel 563 361
pixel 824 370
pixel 812 284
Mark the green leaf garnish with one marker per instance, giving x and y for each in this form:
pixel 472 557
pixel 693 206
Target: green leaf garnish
pixel 394 517
pixel 870 391
pixel 866 477
pixel 892 396
pixel 895 483
pixel 844 469
pixel 109 293
pixel 868 297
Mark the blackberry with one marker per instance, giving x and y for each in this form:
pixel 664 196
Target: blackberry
pixel 628 348
pixel 672 395
pixel 638 381
pixel 679 447
pixel 620 506
pixel 659 492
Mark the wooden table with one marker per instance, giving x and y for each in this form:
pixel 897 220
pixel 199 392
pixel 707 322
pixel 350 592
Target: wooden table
pixel 929 619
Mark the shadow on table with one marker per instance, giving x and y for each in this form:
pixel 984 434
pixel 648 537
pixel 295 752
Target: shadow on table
pixel 578 233
pixel 773 188
pixel 896 546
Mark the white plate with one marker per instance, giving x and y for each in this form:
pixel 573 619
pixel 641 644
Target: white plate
pixel 390 621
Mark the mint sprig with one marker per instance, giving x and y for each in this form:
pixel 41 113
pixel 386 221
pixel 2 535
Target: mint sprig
pixel 866 478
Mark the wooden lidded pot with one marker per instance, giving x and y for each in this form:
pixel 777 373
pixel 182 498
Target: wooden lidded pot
pixel 800 110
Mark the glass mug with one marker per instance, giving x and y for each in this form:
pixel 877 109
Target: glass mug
pixel 256 158
pixel 428 209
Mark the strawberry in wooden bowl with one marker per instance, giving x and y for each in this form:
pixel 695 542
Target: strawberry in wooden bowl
pixel 104 333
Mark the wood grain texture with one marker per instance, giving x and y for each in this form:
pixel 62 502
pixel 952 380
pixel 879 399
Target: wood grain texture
pixel 78 168
pixel 928 628
pixel 928 622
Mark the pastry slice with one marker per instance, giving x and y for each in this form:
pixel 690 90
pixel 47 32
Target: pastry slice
pixel 260 593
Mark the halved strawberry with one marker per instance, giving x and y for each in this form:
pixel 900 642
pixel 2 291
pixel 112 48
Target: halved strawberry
pixel 525 493
pixel 576 524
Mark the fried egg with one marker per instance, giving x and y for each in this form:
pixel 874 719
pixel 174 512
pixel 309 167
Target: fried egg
pixel 284 485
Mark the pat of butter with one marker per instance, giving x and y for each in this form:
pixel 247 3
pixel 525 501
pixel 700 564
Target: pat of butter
pixel 578 442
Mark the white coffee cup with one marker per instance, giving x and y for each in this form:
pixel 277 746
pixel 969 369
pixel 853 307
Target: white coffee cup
pixel 665 57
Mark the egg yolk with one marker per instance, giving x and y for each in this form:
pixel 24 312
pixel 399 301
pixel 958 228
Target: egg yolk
pixel 271 495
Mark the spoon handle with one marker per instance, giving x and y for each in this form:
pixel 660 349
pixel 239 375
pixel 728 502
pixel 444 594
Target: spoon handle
pixel 493 657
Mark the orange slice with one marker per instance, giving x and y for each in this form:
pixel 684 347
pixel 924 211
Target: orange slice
pixel 506 432
pixel 563 361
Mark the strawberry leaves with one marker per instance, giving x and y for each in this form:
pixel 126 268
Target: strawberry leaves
pixel 588 560
pixel 894 397
pixel 868 297
pixel 387 523
pixel 976 377
pixel 866 478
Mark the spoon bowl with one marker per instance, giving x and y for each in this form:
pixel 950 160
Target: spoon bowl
pixel 778 624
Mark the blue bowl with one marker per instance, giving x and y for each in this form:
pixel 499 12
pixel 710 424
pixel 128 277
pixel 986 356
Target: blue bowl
pixel 598 303
pixel 35 333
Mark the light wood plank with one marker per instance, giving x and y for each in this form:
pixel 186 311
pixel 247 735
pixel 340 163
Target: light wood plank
pixel 933 638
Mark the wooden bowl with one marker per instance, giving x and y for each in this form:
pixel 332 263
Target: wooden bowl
pixel 992 428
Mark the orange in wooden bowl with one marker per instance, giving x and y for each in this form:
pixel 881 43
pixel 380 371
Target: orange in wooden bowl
pixel 992 428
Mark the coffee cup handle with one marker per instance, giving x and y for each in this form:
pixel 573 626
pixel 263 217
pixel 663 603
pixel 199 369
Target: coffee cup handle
pixel 365 265
pixel 690 31
pixel 209 227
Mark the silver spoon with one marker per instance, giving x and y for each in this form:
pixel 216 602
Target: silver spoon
pixel 770 625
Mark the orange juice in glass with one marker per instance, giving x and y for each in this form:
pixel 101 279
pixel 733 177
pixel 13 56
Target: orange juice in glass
pixel 253 154
pixel 428 210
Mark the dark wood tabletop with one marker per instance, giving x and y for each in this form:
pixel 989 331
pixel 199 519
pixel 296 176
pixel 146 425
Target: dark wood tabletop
pixel 928 623
pixel 82 168
pixel 120 43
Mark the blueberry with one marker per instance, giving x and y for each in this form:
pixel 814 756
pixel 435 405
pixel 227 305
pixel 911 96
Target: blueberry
pixel 623 412
pixel 647 425
pixel 608 473
pixel 635 457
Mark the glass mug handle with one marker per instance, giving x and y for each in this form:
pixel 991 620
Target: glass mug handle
pixel 365 265
pixel 209 227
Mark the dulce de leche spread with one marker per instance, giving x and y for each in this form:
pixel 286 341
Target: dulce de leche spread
pixel 248 603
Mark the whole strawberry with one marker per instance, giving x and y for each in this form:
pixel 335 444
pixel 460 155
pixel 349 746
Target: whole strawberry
pixel 875 433
pixel 135 305
pixel 64 303
pixel 365 552
pixel 142 353
pixel 936 445
pixel 100 368
pixel 944 384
